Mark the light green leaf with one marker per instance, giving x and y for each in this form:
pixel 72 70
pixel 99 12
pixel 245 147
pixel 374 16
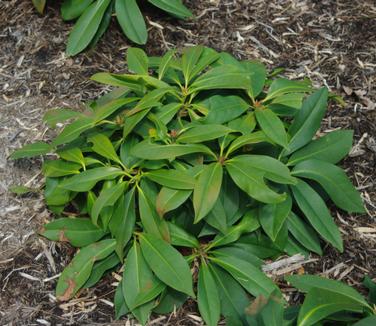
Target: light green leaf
pixel 73 154
pixel 206 190
pixel 103 146
pixel 167 263
pixel 331 148
pixel 105 110
pixel 39 5
pixel 314 208
pixel 189 59
pixel 31 150
pixel 165 63
pixel 208 300
pixel 78 271
pixel 137 61
pixel 272 126
pixel 334 181
pixel 86 27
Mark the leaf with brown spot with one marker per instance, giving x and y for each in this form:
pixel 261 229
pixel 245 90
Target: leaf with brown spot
pixel 78 271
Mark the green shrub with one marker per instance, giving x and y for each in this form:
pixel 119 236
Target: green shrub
pixel 198 164
pixel 94 17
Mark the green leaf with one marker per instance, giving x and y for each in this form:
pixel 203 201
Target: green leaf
pixel 103 146
pixel 31 150
pixel 72 155
pixel 54 194
pixel 73 130
pixel 331 148
pixel 217 216
pixel 314 208
pixel 87 179
pixel 244 125
pixel 137 61
pixel 86 27
pixel 245 171
pixel 222 77
pixel 170 301
pixel 202 133
pixel 39 5
pixel 100 268
pixel 71 9
pixel 273 216
pixel 165 63
pixel 208 300
pixel 105 110
pixel 140 284
pixel 121 308
pixel 107 197
pixel 123 221
pixel 320 303
pixel 234 299
pixel 306 283
pixel 206 190
pixel 371 286
pixel 167 263
pixel 174 7
pixel 150 220
pixel 250 277
pixel 368 321
pixel 272 126
pixel 176 179
pixel 78 271
pixel 151 151
pixel 21 190
pixel 282 86
pixel 190 57
pixel 131 21
pixel 304 233
pixel 257 72
pixel 79 232
pixel 180 237
pixel 248 223
pixel 334 181
pixel 252 138
pixel 169 199
pixel 53 117
pixel 59 168
pixel 308 120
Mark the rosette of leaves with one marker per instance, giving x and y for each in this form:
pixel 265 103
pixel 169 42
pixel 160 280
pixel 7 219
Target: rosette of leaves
pixel 194 168
pixel 94 17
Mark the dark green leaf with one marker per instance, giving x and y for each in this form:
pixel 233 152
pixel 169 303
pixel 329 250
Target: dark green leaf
pixel 100 268
pixel 103 146
pixel 176 179
pixel 71 9
pixel 174 7
pixel 180 237
pixel 169 199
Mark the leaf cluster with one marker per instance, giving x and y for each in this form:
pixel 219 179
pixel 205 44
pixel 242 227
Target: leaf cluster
pixel 194 164
pixel 94 17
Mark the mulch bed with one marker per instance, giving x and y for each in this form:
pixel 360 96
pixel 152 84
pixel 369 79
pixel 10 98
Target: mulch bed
pixel 330 41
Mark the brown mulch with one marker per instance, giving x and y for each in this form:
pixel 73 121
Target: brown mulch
pixel 332 42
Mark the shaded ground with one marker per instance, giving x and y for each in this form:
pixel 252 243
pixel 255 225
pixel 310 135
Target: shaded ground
pixel 332 42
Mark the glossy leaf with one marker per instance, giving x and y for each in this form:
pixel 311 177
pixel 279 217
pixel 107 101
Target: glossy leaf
pixel 252 138
pixel 72 155
pixel 206 190
pixel 167 263
pixel 334 181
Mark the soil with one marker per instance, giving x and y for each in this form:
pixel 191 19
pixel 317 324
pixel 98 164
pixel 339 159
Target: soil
pixel 332 42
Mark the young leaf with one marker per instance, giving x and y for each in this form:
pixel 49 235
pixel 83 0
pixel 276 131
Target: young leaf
pixel 31 150
pixel 87 179
pixel 174 7
pixel 169 199
pixel 272 126
pixel 123 221
pixel 137 61
pixel 304 233
pixel 208 300
pixel 331 148
pixel 206 190
pixel 167 263
pixel 78 271
pixel 86 27
pixel 79 232
pixel 314 208
pixel 308 120
pixel 165 63
pixel 334 181
pixel 172 178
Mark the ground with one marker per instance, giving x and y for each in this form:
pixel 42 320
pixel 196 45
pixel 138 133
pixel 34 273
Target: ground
pixel 332 42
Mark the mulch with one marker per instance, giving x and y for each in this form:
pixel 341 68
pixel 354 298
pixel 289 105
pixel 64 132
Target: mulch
pixel 330 41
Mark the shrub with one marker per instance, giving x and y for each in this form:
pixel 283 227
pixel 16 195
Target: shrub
pixel 196 165
pixel 94 17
